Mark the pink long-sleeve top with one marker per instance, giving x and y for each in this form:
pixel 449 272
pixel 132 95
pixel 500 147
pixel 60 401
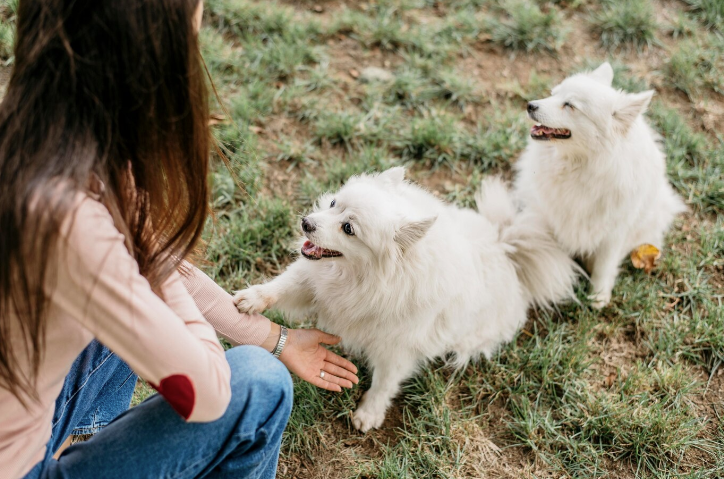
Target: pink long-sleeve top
pixel 99 293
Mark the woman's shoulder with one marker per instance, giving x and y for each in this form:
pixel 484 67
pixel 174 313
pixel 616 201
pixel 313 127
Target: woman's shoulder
pixel 88 220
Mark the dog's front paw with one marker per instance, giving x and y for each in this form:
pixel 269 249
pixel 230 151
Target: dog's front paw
pixel 366 418
pixel 253 300
pixel 600 300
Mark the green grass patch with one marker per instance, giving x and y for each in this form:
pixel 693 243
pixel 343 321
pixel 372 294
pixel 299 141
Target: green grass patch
pixel 267 21
pixel 524 26
pixel 250 241
pixel 430 139
pixel 625 23
pixel 646 418
pixel 8 12
pixel 142 392
pixel 385 26
pixel 710 12
pixel 345 129
pixel 695 66
pixel 695 163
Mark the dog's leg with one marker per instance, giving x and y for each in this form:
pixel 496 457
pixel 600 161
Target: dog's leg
pixel 604 271
pixel 389 372
pixel 289 292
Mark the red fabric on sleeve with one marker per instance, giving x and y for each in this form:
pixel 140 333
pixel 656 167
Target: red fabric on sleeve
pixel 178 390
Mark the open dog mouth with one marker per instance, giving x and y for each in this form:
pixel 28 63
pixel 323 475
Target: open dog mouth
pixel 312 251
pixel 542 132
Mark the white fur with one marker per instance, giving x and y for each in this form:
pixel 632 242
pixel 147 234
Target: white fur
pixel 419 279
pixel 604 191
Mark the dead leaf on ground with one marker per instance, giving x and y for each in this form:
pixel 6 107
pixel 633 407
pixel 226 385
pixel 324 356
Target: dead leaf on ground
pixel 354 73
pixel 608 381
pixel 645 257
pixel 256 129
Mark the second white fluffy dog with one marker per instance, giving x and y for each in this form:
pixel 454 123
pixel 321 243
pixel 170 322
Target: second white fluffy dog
pixel 595 173
pixel 403 277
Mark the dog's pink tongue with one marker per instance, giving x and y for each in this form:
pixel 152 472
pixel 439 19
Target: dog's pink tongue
pixel 310 249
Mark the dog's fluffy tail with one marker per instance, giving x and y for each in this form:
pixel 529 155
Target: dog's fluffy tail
pixel 545 270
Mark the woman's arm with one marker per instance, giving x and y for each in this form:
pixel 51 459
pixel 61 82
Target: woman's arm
pixel 218 308
pixel 167 342
pixel 304 354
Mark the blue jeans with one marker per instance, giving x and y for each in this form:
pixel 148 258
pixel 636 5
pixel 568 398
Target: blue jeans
pixel 152 440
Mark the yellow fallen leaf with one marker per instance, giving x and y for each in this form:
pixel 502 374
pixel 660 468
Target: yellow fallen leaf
pixel 645 256
pixel 609 380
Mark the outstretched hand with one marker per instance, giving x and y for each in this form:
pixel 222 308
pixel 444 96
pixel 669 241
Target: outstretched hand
pixel 305 356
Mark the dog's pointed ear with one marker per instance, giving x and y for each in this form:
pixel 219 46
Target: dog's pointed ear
pixel 630 106
pixel 410 233
pixel 603 74
pixel 393 176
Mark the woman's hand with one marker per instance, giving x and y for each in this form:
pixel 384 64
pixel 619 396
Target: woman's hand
pixel 305 356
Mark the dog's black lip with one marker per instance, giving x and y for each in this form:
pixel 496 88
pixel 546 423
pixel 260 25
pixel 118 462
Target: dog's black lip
pixel 554 137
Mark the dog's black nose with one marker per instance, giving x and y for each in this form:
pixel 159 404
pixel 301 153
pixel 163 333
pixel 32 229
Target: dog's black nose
pixel 308 225
pixel 532 107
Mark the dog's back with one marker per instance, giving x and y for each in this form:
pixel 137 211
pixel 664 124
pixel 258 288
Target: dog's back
pixel 545 270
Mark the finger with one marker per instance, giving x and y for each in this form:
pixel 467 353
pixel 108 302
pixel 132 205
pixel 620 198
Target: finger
pixel 340 361
pixel 329 339
pixel 340 372
pixel 321 383
pixel 345 383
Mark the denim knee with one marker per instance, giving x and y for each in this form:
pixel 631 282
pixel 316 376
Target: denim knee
pixel 259 382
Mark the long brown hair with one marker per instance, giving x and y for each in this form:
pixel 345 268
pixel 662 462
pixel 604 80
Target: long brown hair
pixel 100 89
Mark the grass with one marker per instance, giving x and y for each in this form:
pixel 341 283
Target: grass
pixel 524 26
pixel 629 392
pixel 251 238
pixel 7 29
pixel 633 391
pixel 695 67
pixel 625 23
pixel 709 12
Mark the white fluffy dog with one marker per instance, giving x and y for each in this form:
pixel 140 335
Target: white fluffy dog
pixel 403 277
pixel 594 171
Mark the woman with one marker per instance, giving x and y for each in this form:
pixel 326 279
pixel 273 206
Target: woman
pixel 103 164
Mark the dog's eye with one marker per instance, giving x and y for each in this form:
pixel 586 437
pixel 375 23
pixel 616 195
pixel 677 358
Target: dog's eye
pixel 334 202
pixel 347 228
pixel 568 105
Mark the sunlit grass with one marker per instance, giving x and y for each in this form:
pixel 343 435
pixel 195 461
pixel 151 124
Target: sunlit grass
pixel 295 122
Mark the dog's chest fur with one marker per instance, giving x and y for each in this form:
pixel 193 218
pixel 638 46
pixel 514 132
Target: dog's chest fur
pixel 368 309
pixel 580 198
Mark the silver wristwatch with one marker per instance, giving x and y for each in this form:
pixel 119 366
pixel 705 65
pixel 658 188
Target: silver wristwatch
pixel 282 341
